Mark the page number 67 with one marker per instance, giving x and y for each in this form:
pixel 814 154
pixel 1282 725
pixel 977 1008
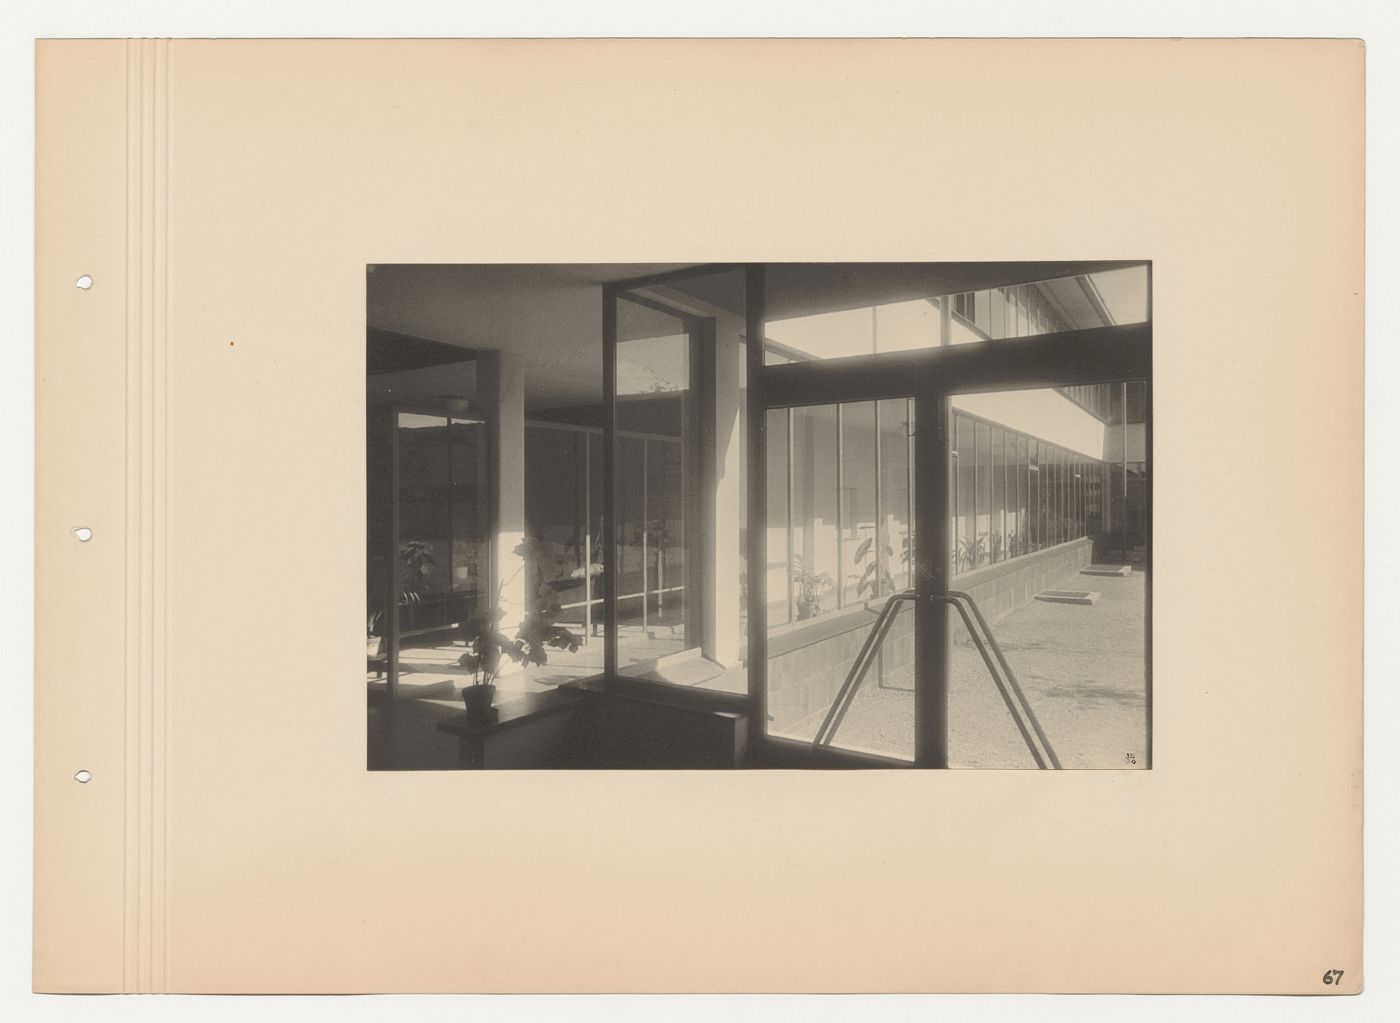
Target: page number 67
pixel 1332 977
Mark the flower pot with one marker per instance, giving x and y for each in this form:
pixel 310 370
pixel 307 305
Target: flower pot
pixel 478 701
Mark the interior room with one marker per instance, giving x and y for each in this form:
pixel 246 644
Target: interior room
pixel 689 516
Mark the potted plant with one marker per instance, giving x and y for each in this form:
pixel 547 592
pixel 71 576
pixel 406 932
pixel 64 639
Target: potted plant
pixel 972 551
pixel 416 565
pixel 875 571
pixel 486 644
pixel 810 587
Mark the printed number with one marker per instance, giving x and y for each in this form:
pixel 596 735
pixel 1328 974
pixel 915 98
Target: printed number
pixel 1130 758
pixel 1332 977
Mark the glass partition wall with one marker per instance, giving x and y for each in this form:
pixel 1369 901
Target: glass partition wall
pixel 675 575
pixel 429 553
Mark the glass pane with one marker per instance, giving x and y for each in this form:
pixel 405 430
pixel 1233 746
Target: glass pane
pixel 1023 497
pixel 983 524
pixel 965 460
pixel 444 560
pixel 779 499
pixel 846 481
pixel 655 425
pixel 997 530
pixel 563 514
pixel 860 554
pixel 835 310
pixel 1063 597
pixel 469 557
pixel 553 516
pixel 681 459
pixel 814 510
pixel 896 492
pixel 379 542
pixel 820 336
pixel 1035 478
pixel 424 511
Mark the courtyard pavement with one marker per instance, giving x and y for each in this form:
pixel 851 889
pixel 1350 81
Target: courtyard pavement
pixel 1080 666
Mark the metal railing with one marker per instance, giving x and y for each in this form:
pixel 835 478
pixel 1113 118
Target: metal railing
pixel 1010 689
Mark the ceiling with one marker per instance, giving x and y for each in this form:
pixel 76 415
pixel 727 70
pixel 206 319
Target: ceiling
pixel 550 315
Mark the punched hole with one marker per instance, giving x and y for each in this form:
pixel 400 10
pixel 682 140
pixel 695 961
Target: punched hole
pixel 83 777
pixel 82 533
pixel 84 282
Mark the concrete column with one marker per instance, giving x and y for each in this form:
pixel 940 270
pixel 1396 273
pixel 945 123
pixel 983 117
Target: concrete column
pixel 717 582
pixel 722 640
pixel 500 384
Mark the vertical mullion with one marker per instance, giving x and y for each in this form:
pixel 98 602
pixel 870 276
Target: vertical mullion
pixel 1124 529
pixel 758 497
pixel 840 503
pixel 792 505
pixel 587 538
pixel 646 483
pixel 879 507
pixel 451 509
pixel 612 534
pixel 932 578
pixel 391 674
pixel 1147 473
pixel 909 427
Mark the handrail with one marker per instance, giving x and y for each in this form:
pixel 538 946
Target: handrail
pixel 1010 676
pixel 859 667
pixel 866 656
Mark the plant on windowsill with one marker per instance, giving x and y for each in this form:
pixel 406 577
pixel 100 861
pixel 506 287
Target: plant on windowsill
pixel 994 545
pixel 972 551
pixel 876 569
pixel 416 565
pixel 810 587
pixel 537 633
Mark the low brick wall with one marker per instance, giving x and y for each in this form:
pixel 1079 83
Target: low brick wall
pixel 1000 589
pixel 807 664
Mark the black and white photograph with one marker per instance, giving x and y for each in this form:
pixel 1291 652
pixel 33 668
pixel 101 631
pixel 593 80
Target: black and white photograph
pixel 759 515
pixel 847 517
